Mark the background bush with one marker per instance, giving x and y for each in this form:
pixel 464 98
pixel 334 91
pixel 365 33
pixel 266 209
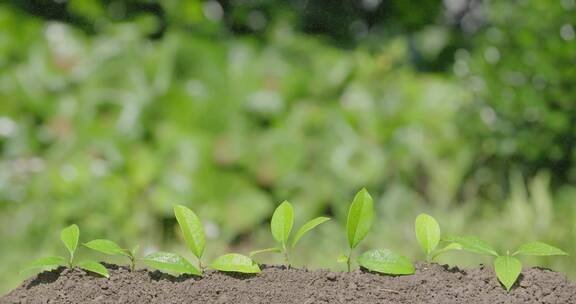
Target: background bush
pixel 111 112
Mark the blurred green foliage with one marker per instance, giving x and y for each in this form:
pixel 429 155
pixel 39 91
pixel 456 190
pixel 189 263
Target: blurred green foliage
pixel 111 112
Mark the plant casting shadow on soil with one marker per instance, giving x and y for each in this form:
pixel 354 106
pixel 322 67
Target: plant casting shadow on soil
pixel 431 283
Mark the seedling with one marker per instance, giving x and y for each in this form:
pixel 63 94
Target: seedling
pixel 507 267
pixel 195 239
pixel 360 216
pixel 281 227
pixel 428 236
pixel 69 237
pixel 111 248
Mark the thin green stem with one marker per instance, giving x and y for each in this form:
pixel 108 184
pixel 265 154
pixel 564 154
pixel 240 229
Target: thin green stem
pixel 349 261
pixel 286 257
pixel 132 263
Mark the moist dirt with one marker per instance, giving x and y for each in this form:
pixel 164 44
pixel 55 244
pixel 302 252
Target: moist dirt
pixel 431 284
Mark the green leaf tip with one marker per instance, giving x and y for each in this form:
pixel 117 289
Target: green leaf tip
pixel 233 262
pixel 192 229
pixel 360 216
pixel 95 267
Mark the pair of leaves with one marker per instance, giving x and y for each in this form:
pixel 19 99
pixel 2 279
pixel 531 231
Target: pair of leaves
pixel 507 268
pixel 195 239
pixel 231 262
pixel 428 235
pixel 69 236
pixel 281 226
pixel 360 217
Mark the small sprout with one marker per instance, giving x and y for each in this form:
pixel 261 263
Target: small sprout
pixel 360 216
pixel 507 267
pixel 281 227
pixel 111 248
pixel 233 262
pixel 195 239
pixel 428 236
pixel 69 236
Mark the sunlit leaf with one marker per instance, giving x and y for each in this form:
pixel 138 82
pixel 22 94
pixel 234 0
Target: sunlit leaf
pixel 360 217
pixel 107 247
pixel 281 224
pixel 449 247
pixel 507 270
pixel 170 262
pixel 307 227
pixel 385 261
pixel 69 237
pixel 234 262
pixel 539 249
pixel 427 233
pixel 473 244
pixel 192 229
pixel 48 261
pixel 255 252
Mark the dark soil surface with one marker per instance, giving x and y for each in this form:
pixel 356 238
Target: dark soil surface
pixel 431 284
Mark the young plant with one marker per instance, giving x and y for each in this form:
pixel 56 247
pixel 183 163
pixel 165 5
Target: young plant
pixel 69 237
pixel 111 248
pixel 428 236
pixel 281 227
pixel 507 267
pixel 195 239
pixel 360 216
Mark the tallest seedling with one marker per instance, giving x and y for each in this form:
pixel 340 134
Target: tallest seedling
pixel 360 216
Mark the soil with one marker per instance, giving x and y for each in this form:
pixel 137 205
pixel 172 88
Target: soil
pixel 431 284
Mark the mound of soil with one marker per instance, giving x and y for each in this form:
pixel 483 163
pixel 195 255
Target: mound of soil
pixel 431 284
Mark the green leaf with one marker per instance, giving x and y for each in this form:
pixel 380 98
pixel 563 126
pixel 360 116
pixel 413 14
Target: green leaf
pixel 255 252
pixel 360 217
pixel 134 250
pixel 507 270
pixel 69 237
pixel 449 247
pixel 307 227
pixel 192 229
pixel 49 261
pixel 234 262
pixel 95 267
pixel 427 233
pixel 171 262
pixel 281 224
pixel 473 244
pixel 385 261
pixel 342 259
pixel 107 247
pixel 538 249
